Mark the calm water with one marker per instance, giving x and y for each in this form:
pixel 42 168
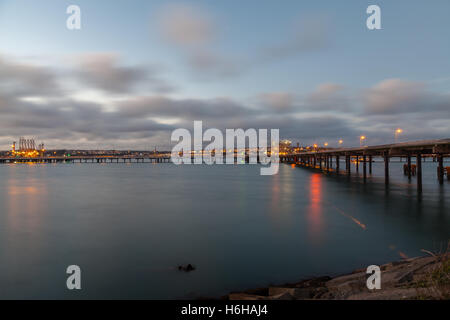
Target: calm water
pixel 129 226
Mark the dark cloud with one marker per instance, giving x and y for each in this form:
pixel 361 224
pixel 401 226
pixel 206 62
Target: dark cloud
pixel 396 96
pixel 32 104
pixel 103 71
pixel 26 79
pixel 65 119
pixel 191 109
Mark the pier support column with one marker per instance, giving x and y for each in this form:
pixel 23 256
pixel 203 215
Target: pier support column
pixel 337 164
pixel 441 169
pixel 364 168
pixel 320 162
pixel 347 164
pixel 370 165
pixel 419 172
pixel 327 160
pixel 357 163
pixel 409 166
pixel 386 168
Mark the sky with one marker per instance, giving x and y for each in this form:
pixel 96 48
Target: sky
pixel 137 70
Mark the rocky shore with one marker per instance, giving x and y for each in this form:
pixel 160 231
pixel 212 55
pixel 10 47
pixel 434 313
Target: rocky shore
pixel 417 278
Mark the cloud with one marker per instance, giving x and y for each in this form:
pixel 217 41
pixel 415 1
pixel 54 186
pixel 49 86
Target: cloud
pixel 278 101
pixel 65 119
pixel 396 96
pixel 22 78
pixel 192 31
pixel 103 71
pixel 209 64
pixel 35 102
pixel 186 26
pixel 328 97
pixel 187 109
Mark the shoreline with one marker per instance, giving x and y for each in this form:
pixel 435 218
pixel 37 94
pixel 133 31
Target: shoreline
pixel 420 278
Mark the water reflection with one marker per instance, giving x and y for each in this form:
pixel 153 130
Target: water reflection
pixel 315 209
pixel 282 197
pixel 26 201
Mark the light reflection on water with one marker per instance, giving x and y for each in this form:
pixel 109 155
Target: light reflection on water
pixel 315 208
pixel 129 226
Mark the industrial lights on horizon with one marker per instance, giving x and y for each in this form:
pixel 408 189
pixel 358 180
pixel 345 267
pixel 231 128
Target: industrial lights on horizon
pixel 27 149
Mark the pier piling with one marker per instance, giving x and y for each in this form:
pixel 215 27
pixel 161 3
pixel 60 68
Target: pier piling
pixel 419 172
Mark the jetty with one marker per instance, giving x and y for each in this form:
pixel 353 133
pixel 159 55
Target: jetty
pixel 364 156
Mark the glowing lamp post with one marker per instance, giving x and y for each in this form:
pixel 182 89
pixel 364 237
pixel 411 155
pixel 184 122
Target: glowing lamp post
pixel 361 140
pixel 397 132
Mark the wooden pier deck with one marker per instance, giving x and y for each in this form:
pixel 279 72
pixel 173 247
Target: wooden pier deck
pixel 323 159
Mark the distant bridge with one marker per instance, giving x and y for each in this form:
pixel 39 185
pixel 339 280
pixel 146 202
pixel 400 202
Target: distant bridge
pixel 323 160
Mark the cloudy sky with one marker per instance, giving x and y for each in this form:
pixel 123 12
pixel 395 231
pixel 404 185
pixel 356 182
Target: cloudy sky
pixel 139 69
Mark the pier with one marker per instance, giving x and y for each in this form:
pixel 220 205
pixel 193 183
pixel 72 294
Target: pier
pixel 90 159
pixel 364 157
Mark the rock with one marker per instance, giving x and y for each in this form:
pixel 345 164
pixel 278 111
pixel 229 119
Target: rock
pixel 392 294
pixel 354 277
pixel 186 268
pixel 296 293
pixel 245 296
pixel 314 282
pixel 407 279
pixel 319 292
pixel 282 296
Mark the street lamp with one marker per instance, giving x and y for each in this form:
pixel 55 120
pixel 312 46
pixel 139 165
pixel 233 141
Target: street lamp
pixel 325 144
pixel 361 140
pixel 397 132
pixel 341 142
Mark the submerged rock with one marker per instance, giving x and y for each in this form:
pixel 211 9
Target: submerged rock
pixel 187 268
